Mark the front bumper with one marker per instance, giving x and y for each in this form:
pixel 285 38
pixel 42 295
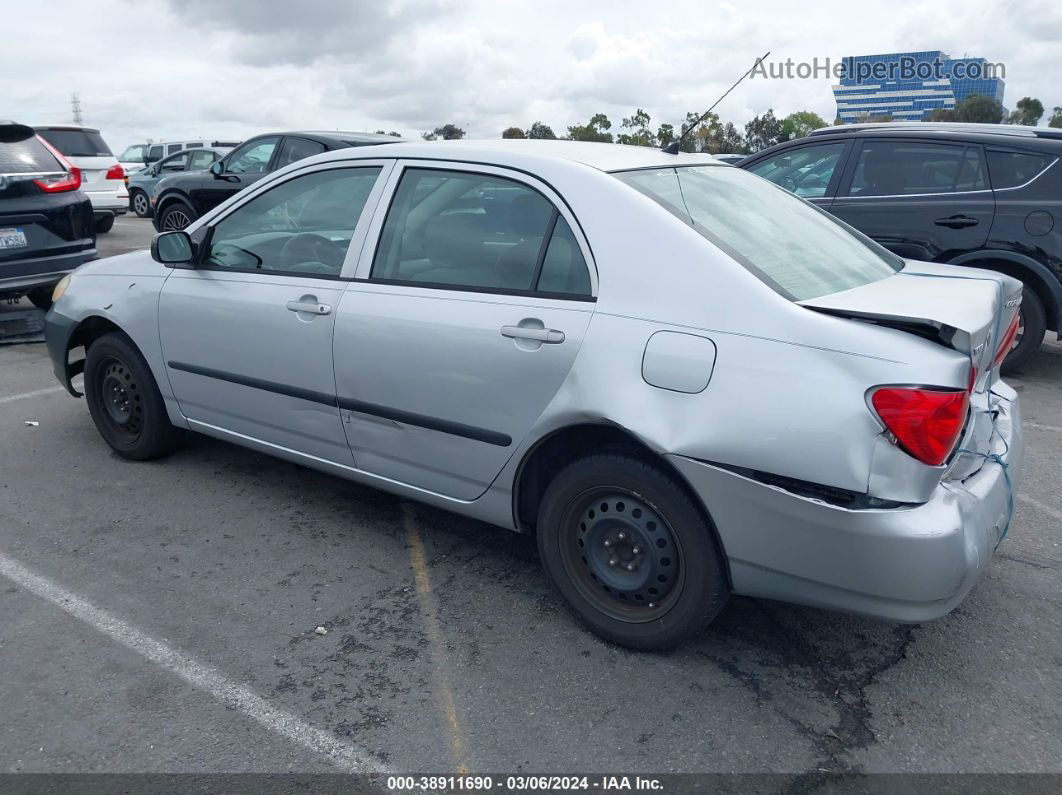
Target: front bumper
pixel 58 329
pixel 905 564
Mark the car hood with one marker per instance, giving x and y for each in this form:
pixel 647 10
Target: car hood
pixel 133 263
pixel 963 308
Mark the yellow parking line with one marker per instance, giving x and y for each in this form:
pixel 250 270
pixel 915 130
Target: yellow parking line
pixel 439 665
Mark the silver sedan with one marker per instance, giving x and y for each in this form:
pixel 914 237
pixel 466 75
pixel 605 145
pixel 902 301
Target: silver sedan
pixel 685 381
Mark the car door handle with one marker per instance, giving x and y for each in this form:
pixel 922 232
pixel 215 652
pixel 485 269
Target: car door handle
pixel 311 308
pixel 956 221
pixel 547 335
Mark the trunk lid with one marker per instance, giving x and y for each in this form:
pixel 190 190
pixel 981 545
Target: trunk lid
pixel 965 309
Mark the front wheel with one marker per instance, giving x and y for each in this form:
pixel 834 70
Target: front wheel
pixel 125 402
pixel 1032 325
pixel 631 552
pixel 176 216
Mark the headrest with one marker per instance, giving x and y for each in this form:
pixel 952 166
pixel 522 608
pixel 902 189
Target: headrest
pixel 454 241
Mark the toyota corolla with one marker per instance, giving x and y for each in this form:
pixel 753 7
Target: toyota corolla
pixel 684 380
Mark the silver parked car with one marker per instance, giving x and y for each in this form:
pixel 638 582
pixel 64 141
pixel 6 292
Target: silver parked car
pixel 686 381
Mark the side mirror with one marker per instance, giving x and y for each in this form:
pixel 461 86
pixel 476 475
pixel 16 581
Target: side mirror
pixel 172 249
pixel 216 168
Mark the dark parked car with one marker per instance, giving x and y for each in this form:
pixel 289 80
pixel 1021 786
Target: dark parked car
pixel 142 183
pixel 979 195
pixel 46 226
pixel 182 198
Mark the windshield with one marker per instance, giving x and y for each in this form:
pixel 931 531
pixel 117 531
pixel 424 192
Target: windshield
pixel 787 243
pixel 134 154
pixel 77 143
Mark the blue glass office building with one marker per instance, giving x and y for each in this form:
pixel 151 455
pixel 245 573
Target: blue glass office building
pixel 908 86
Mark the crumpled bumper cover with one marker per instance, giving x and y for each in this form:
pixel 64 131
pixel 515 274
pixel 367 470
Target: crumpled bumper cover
pixel 907 564
pixel 58 329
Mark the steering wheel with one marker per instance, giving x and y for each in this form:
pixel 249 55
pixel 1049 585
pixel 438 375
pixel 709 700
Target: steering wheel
pixel 307 247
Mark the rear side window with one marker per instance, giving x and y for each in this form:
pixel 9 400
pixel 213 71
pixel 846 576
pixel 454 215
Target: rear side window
pixel 908 168
pixel 805 171
pixel 796 249
pixel 173 148
pixel 28 156
pixel 1011 169
pixel 294 149
pixel 77 143
pixel 477 231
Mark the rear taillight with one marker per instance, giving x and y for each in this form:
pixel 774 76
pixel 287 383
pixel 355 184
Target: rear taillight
pixel 924 422
pixel 59 183
pixel 115 172
pixel 1006 343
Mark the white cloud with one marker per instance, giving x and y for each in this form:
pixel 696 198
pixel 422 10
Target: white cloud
pixel 176 68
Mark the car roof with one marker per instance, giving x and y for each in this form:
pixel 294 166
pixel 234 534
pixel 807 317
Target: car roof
pixel 998 134
pixel 512 151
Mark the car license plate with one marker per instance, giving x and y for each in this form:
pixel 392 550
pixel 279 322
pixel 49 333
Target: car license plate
pixel 13 237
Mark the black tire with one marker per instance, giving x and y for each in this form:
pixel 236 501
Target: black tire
pixel 125 402
pixel 662 548
pixel 176 216
pixel 139 204
pixel 41 297
pixel 1033 327
pixel 105 224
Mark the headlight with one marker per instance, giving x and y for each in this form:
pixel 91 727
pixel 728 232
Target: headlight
pixel 60 288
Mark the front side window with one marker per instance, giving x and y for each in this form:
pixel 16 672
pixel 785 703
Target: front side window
pixel 1011 169
pixel 134 154
pixel 301 227
pixel 805 171
pixel 796 249
pixel 175 163
pixel 294 149
pixel 154 154
pixel 906 168
pixel 477 231
pixel 252 158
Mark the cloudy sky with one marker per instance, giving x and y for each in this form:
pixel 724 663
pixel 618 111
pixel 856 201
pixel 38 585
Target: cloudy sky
pixel 168 69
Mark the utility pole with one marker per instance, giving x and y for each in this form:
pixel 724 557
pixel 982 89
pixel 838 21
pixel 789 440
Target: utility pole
pixel 75 107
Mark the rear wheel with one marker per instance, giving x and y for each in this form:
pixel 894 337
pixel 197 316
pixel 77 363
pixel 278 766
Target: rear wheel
pixel 141 205
pixel 631 552
pixel 176 216
pixel 1032 325
pixel 104 224
pixel 125 402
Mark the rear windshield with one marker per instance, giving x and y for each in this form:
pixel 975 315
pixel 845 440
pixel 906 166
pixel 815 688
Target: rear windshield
pixel 790 245
pixel 28 156
pixel 77 143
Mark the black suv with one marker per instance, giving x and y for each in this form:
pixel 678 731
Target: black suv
pixel 182 198
pixel 980 195
pixel 46 226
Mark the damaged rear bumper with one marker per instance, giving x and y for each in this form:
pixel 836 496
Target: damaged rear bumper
pixel 912 563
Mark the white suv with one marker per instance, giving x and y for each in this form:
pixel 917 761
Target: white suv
pixel 139 156
pixel 102 178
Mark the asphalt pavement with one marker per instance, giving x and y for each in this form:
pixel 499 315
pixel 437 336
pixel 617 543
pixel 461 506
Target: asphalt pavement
pixel 161 617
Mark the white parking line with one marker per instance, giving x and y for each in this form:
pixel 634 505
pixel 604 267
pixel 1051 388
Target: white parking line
pixel 34 393
pixel 1056 515
pixel 199 675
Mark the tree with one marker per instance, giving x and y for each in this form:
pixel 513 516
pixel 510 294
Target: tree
pixel 763 131
pixel 636 130
pixel 799 124
pixel 699 139
pixel 979 109
pixel 665 134
pixel 727 140
pixel 513 132
pixel 594 130
pixel 1056 118
pixel 393 134
pixel 944 114
pixel 540 130
pixel 1029 111
pixel 448 132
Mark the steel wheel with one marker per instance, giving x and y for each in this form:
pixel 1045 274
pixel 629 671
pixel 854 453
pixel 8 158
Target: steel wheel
pixel 622 554
pixel 122 401
pixel 175 220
